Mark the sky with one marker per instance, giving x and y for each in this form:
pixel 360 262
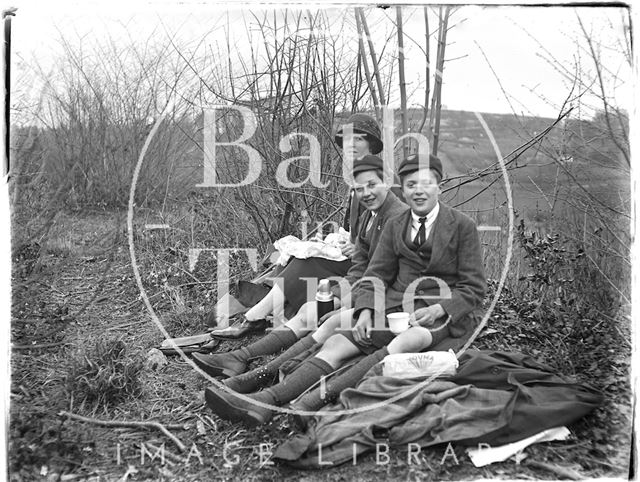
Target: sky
pixel 509 43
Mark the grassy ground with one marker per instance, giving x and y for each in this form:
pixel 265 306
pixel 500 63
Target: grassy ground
pixel 81 335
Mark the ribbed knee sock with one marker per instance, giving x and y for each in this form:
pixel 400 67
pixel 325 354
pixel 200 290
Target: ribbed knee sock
pixel 306 375
pixel 273 342
pixel 265 373
pixel 353 375
pixel 348 379
pixel 303 344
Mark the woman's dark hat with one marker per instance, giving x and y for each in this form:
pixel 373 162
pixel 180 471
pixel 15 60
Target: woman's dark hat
pixel 415 161
pixel 367 163
pixel 363 124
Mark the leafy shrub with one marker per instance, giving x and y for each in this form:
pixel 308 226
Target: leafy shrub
pixel 554 267
pixel 564 305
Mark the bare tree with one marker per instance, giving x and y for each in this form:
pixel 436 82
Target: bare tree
pixel 402 84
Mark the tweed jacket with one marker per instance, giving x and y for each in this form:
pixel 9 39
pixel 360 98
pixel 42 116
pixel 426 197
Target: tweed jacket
pixel 456 259
pixel 366 244
pixel 355 210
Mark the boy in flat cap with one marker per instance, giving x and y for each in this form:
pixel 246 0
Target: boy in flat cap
pixel 359 138
pixel 432 248
pixel 380 205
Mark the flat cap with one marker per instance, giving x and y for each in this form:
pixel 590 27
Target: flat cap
pixel 415 161
pixel 367 163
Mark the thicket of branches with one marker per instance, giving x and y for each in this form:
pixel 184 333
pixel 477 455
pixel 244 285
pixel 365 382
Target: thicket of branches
pixel 301 73
pixel 76 144
pixel 592 207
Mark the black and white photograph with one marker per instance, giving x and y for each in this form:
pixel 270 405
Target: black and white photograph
pixel 318 242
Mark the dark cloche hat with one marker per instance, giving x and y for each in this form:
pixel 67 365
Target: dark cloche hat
pixel 415 161
pixel 367 163
pixel 363 124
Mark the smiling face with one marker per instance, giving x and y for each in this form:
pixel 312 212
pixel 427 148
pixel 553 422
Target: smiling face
pixel 370 189
pixel 356 144
pixel 421 191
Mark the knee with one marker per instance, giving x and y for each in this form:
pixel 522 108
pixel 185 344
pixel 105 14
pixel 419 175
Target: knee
pixel 321 334
pixel 297 325
pixel 415 339
pixel 306 312
pixel 334 343
pixel 328 328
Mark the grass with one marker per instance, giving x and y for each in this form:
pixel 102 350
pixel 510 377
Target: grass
pixel 98 363
pixel 103 374
pixel 77 296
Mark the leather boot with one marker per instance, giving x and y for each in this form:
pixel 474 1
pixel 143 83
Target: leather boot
pixel 251 381
pixel 229 407
pixel 264 375
pixel 309 402
pixel 223 364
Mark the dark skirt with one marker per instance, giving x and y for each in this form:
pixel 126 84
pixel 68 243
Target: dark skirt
pixel 295 287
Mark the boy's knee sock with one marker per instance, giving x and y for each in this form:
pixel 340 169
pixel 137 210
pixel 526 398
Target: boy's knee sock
pixel 303 344
pixel 273 342
pixel 305 376
pixel 313 401
pixel 264 374
pixel 353 375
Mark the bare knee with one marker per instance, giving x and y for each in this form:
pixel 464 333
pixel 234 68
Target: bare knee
pixel 337 349
pixel 415 339
pixel 324 332
pixel 297 325
pixel 331 324
pixel 305 319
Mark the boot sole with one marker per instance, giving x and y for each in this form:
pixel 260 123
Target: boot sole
pixel 218 402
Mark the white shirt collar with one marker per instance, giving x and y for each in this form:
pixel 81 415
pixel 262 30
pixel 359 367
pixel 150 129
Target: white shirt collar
pixel 430 217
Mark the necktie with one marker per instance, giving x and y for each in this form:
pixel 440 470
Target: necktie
pixel 421 236
pixel 372 218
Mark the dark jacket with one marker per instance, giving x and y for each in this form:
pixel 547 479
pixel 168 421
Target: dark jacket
pixel 455 259
pixel 366 242
pixel 355 209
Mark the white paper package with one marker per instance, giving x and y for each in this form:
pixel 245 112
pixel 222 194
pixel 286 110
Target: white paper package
pixel 413 365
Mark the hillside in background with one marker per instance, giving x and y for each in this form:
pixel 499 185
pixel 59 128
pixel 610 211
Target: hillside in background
pixel 574 155
pixel 467 146
pixel 572 152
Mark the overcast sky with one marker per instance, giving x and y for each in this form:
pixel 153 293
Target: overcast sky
pixel 515 41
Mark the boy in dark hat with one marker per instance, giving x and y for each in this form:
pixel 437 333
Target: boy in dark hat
pixel 379 205
pixel 358 137
pixel 431 246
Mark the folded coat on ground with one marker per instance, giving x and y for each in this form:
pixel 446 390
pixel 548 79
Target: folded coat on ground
pixel 495 398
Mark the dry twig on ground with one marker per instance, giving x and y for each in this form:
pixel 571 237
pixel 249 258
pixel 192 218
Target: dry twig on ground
pixel 113 423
